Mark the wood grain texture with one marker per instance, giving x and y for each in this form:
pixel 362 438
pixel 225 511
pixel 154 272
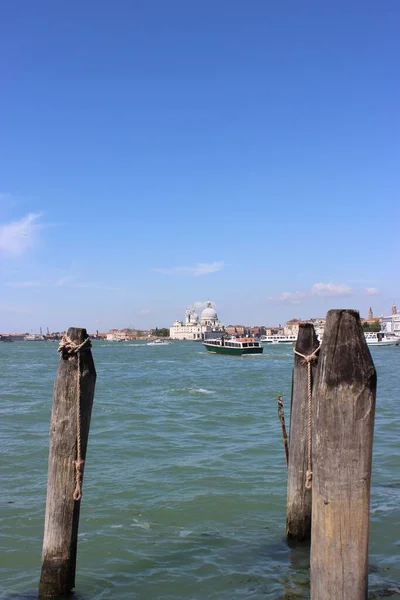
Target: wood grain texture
pixel 62 511
pixel 298 504
pixel 343 422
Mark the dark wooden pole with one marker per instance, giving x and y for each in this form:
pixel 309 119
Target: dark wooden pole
pixel 62 511
pixel 298 505
pixel 343 423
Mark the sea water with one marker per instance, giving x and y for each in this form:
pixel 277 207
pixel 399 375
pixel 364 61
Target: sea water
pixel 185 478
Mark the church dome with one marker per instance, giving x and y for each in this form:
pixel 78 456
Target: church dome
pixel 209 313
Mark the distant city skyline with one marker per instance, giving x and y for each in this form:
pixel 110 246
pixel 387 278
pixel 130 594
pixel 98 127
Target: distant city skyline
pixel 154 156
pixel 114 324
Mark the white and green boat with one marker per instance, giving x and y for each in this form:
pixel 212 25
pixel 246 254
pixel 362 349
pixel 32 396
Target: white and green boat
pixel 234 346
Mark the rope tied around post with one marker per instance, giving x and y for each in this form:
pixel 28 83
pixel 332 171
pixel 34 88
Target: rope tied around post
pixel 308 360
pixel 69 348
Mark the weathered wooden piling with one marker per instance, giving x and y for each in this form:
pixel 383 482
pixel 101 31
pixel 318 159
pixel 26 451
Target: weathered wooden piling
pixel 69 431
pixel 298 505
pixel 343 423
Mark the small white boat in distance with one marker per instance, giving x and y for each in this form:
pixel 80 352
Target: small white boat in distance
pixel 381 338
pixel 33 337
pixel 159 342
pixel 111 337
pixel 278 339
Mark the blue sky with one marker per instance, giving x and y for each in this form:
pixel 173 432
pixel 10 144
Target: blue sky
pixel 156 154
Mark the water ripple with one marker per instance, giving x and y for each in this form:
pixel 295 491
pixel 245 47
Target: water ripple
pixel 185 479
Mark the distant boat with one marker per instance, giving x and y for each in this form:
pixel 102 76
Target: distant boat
pixel 381 338
pixel 278 339
pixel 233 346
pixel 114 338
pixel 159 342
pixel 33 337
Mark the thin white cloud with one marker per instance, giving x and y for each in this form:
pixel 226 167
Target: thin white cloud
pixel 371 291
pixel 289 297
pixel 331 289
pixel 324 290
pixel 17 237
pixel 205 268
pixel 145 311
pixel 64 281
pixel 292 297
pixel 196 270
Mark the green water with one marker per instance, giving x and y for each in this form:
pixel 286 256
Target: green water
pixel 185 479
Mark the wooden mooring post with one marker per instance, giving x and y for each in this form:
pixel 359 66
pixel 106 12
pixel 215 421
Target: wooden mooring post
pixel 69 431
pixel 298 504
pixel 343 422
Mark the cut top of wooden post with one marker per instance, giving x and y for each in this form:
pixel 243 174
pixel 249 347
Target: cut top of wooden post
pixel 345 357
pixel 77 334
pixel 307 341
pixel 76 340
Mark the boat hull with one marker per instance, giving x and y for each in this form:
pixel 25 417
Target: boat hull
pixel 383 343
pixel 278 342
pixel 278 339
pixel 233 351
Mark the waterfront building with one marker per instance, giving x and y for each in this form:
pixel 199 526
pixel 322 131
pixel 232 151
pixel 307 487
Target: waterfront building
pixel 292 327
pixel 234 329
pixel 197 328
pixel 319 326
pixel 256 330
pixel 391 324
pixel 188 330
pixel 371 319
pixel 118 335
pixel 274 330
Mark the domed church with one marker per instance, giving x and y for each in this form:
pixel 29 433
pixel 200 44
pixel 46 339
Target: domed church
pixel 209 317
pixel 195 328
